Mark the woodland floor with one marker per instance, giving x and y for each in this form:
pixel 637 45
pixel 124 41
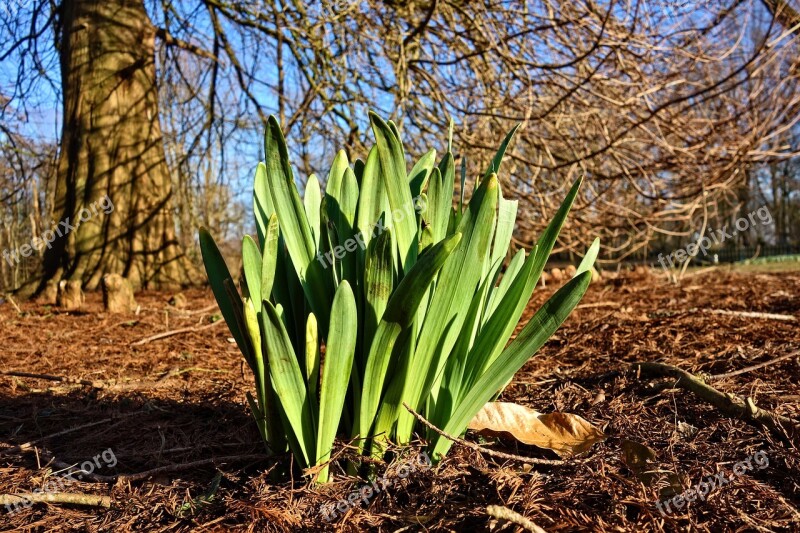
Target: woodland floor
pixel 181 399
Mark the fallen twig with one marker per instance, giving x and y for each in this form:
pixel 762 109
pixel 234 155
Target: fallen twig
pixel 504 513
pixel 182 449
pixel 700 272
pixel 598 304
pixel 176 311
pixel 729 404
pixel 160 382
pixel 28 445
pixel 10 299
pixel 750 314
pixel 756 367
pixel 103 326
pixel 473 446
pixel 73 471
pixel 89 500
pixel 121 478
pixel 117 387
pixel 62 379
pixel 166 334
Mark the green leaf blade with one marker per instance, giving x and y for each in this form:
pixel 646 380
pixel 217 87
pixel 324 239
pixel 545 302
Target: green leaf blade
pixel 336 373
pixel 535 333
pixel 392 161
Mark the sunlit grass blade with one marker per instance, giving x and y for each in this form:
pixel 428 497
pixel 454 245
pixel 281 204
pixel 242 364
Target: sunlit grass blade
pixel 440 201
pixel 259 371
pixel 588 260
pixel 269 257
pixel 393 171
pixel 262 202
pixel 456 283
pixel 499 327
pixel 251 263
pixel 339 353
pixel 461 190
pixel 293 222
pixel 509 275
pixel 333 185
pixel 506 216
pixel 286 199
pixel 535 333
pixel 312 354
pixel 372 202
pixel 339 227
pixel 218 273
pixel 289 384
pixel 312 197
pixel 447 169
pixel 342 209
pixel 494 167
pixel 446 390
pixel 548 239
pixel 390 404
pixel 418 177
pixel 399 313
pixel 378 284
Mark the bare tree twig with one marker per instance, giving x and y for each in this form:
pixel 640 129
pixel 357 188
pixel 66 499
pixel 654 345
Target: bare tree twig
pixel 180 331
pixel 171 40
pixel 756 367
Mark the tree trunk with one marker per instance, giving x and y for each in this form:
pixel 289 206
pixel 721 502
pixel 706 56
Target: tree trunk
pixel 113 183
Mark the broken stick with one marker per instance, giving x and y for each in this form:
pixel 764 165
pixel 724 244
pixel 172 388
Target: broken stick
pixel 24 500
pixel 166 334
pixel 728 404
pixel 504 513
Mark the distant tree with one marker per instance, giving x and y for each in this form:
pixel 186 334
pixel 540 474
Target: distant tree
pixel 27 176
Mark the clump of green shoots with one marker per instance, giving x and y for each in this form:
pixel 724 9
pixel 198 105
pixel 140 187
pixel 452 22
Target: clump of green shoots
pixel 379 294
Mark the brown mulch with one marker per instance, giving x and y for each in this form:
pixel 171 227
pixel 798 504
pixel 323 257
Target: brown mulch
pixel 181 399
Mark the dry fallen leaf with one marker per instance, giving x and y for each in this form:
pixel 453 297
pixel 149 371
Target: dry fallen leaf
pixel 564 433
